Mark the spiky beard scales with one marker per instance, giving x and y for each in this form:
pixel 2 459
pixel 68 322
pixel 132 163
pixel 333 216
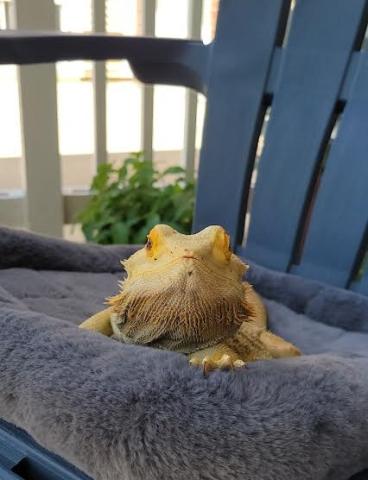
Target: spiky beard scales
pixel 178 318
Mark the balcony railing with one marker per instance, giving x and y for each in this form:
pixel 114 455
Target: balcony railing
pixel 43 205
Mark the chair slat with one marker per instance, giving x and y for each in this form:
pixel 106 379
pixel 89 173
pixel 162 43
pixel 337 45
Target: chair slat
pixel 322 37
pixel 153 60
pixel 340 214
pixel 247 32
pixel 362 285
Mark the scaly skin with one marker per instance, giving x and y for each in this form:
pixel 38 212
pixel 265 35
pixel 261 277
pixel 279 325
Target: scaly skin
pixel 185 293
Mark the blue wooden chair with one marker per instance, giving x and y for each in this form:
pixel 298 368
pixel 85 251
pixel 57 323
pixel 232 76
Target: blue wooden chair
pixel 306 67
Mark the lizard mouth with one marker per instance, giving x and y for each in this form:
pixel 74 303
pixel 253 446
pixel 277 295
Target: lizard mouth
pixel 190 257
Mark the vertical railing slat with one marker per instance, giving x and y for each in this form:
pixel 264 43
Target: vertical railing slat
pixel 37 95
pixel 195 8
pixel 7 14
pixel 99 86
pixel 148 29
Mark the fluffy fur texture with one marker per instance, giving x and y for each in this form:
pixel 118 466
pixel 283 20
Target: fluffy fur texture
pixel 126 412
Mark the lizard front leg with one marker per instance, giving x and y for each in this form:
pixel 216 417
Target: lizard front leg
pixel 220 356
pixel 100 322
pixel 255 343
pixel 277 346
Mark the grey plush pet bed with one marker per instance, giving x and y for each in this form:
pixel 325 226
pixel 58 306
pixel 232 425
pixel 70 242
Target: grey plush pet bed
pixel 124 412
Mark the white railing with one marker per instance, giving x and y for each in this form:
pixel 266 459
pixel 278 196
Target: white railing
pixel 44 208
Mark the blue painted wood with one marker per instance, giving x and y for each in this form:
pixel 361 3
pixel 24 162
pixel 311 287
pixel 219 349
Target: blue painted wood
pixel 361 286
pixel 153 60
pixel 150 57
pixel 21 457
pixel 340 214
pixel 322 36
pixel 247 32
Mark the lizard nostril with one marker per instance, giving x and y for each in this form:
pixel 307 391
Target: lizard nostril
pixel 189 254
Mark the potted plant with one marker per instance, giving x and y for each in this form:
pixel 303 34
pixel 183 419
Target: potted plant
pixel 128 201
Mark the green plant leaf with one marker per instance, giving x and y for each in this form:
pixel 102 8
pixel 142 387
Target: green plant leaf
pixel 173 170
pixel 120 232
pixel 101 178
pixel 152 220
pixel 129 200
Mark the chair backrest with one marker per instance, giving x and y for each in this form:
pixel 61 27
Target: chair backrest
pixel 305 67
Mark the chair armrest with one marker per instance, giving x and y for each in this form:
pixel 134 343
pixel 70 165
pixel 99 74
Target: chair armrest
pixel 21 457
pixel 153 60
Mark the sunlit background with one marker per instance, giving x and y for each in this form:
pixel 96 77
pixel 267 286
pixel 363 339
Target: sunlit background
pixel 123 97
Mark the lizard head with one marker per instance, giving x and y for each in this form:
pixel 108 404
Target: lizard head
pixel 171 258
pixel 181 287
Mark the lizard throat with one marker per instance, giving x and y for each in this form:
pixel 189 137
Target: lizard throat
pixel 178 319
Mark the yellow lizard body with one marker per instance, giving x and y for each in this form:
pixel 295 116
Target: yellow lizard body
pixel 185 293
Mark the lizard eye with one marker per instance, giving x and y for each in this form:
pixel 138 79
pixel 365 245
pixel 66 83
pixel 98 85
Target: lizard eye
pixel 221 246
pixel 148 244
pixel 227 236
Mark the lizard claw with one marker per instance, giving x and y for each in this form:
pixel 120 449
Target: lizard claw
pixel 206 365
pixel 223 363
pixel 195 362
pixel 239 364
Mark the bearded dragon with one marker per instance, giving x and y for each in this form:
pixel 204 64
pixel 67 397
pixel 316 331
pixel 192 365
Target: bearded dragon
pixel 186 293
